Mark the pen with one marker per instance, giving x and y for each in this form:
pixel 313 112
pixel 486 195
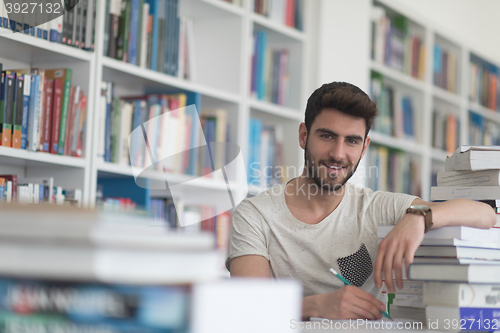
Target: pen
pixel 334 272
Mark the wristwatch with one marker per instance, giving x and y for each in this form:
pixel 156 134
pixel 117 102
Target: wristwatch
pixel 423 210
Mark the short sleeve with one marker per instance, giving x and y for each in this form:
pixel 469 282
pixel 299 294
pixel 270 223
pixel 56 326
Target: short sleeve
pixel 388 208
pixel 247 233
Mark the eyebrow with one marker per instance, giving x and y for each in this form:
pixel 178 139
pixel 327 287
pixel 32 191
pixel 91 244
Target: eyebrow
pixel 327 131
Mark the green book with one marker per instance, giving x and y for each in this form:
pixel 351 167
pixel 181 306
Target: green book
pixel 115 131
pixel 123 34
pixel 64 111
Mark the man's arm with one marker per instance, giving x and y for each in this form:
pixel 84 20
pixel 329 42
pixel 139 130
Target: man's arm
pixel 346 303
pixel 250 266
pixel 404 239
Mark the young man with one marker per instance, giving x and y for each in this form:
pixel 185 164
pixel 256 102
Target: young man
pixel 316 221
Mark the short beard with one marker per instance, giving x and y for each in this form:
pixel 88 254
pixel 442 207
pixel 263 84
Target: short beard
pixel 313 173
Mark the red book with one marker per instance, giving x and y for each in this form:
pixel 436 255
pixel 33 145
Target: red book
pixel 83 111
pixel 13 179
pixel 56 115
pixel 71 116
pixel 47 115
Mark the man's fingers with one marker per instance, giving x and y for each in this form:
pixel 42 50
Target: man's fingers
pixel 398 268
pixel 387 265
pixel 377 271
pixel 408 260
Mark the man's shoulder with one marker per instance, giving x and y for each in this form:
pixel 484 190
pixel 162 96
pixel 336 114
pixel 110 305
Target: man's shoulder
pixel 264 198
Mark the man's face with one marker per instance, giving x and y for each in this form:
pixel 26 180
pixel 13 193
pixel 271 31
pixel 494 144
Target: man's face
pixel 333 148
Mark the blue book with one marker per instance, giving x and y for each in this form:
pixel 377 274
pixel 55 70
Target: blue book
pixel 162 308
pixel 254 62
pixel 175 60
pixel 2 191
pixel 33 114
pixel 134 28
pixel 464 318
pixel 26 108
pixel 437 64
pixel 193 103
pixel 261 83
pixel 167 43
pixel 153 10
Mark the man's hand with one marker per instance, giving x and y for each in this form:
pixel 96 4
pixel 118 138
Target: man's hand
pixel 348 302
pixel 401 243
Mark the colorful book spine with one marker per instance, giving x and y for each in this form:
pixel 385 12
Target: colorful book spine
pixel 56 115
pixel 26 110
pixel 64 110
pixel 17 126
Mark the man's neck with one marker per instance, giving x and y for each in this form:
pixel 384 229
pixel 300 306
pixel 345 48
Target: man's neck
pixel 308 202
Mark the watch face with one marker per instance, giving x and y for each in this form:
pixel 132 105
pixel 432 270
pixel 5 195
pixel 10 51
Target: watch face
pixel 420 207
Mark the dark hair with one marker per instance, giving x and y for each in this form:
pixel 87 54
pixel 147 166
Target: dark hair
pixel 344 97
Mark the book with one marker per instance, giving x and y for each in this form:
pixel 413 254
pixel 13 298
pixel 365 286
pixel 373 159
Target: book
pixel 471 192
pixel 453 261
pixel 56 115
pixel 473 159
pixel 458 252
pixel 461 294
pixel 463 319
pixel 469 178
pixel 90 303
pixel 17 125
pixel 26 110
pixel 33 116
pixel 470 273
pixel 12 179
pixel 451 232
pixel 46 127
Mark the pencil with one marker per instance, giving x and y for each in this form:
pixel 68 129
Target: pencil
pixel 334 272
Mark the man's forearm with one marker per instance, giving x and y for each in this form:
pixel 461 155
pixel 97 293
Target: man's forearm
pixel 310 307
pixel 462 212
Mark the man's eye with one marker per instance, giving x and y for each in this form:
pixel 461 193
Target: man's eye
pixel 326 136
pixel 352 141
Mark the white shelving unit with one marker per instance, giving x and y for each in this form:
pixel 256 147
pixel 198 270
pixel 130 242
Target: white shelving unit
pixel 19 51
pixel 353 63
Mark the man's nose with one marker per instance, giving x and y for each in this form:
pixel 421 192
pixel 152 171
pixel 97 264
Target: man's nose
pixel 337 151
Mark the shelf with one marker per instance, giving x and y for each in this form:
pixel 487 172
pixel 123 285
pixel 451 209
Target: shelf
pixel 397 76
pixel 18 157
pixel 446 96
pixel 220 5
pixel 485 112
pixel 287 31
pixel 30 49
pixel 135 77
pixel 396 143
pixel 277 110
pixel 111 169
pixel 438 154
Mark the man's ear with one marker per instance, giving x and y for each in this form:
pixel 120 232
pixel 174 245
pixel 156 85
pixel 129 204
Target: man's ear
pixel 302 135
pixel 365 147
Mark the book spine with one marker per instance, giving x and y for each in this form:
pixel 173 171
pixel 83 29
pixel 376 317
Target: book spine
pixel 3 103
pixel 64 110
pixel 33 113
pixel 69 123
pixel 81 131
pixel 120 40
pixel 17 127
pixel 134 28
pixel 26 110
pixel 56 115
pixel 46 127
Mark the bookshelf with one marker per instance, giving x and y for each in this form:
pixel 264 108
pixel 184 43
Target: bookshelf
pixel 444 83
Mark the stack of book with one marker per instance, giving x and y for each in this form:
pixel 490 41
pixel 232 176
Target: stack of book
pixel 70 22
pixel 270 79
pixel 150 34
pixel 484 87
pixel 397 43
pixel 40 110
pixel 14 189
pixel 448 256
pixel 406 302
pixel 287 12
pixel 397 111
pixel 471 172
pixel 445 68
pixel 265 158
pixel 446 129
pixel 69 270
pixel 483 131
pixel 393 170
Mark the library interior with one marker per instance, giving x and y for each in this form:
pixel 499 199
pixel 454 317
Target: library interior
pixel 213 166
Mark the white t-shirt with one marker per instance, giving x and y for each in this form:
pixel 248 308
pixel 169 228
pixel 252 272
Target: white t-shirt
pixel 345 240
